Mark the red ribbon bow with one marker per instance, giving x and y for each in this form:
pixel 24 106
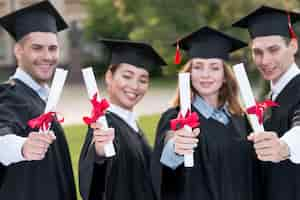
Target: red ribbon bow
pixel 98 110
pixel 260 108
pixel 43 121
pixel 191 119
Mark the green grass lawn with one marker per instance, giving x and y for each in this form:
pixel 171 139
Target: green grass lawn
pixel 76 134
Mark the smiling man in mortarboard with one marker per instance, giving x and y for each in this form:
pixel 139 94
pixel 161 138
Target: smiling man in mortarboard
pixel 274 45
pixel 33 166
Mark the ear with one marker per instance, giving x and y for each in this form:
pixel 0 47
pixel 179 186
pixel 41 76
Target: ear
pixel 18 49
pixel 108 77
pixel 294 45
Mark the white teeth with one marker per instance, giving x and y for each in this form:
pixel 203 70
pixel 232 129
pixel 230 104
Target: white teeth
pixel 45 66
pixel 206 84
pixel 268 70
pixel 131 95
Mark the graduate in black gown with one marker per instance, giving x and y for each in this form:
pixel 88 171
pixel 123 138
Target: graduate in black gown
pixel 224 161
pixel 127 174
pixel 274 46
pixel 33 166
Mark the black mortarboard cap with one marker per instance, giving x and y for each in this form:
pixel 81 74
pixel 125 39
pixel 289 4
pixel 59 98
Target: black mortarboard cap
pixel 138 54
pixel 266 21
pixel 39 17
pixel 209 43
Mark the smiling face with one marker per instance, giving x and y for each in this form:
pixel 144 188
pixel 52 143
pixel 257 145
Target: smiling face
pixel 207 76
pixel 37 54
pixel 273 56
pixel 127 85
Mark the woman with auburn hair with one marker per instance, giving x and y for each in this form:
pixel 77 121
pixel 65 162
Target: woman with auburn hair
pixel 228 93
pixel 224 161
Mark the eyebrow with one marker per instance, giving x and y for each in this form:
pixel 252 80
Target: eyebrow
pixel 128 71
pixel 273 46
pixel 197 62
pixel 268 47
pixel 36 44
pixel 214 63
pixel 41 45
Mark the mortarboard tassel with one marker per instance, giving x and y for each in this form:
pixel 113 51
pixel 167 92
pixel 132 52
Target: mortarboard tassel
pixel 291 29
pixel 293 35
pixel 177 58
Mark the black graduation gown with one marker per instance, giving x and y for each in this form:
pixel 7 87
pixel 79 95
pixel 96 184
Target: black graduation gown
pixel 125 176
pixel 48 179
pixel 224 163
pixel 282 180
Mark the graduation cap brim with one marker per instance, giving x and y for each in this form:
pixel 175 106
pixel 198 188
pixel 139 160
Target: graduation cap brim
pixel 39 17
pixel 266 20
pixel 207 42
pixel 139 54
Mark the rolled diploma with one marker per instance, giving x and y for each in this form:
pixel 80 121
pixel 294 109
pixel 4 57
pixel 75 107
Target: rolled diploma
pixel 247 94
pixel 185 106
pixel 57 85
pixel 92 89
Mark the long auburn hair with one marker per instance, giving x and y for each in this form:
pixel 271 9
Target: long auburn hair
pixel 229 92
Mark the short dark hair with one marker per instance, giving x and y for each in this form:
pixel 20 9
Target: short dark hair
pixel 287 40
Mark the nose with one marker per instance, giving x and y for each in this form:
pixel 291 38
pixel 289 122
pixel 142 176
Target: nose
pixel 266 59
pixel 47 55
pixel 134 84
pixel 205 72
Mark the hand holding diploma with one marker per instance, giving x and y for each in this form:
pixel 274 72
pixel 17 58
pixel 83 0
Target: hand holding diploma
pixel 268 146
pixel 37 144
pixel 98 112
pixel 247 95
pixel 43 122
pixel 185 138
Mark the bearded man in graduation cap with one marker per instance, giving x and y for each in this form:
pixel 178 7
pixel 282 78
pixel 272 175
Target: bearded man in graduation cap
pixel 33 166
pixel 274 45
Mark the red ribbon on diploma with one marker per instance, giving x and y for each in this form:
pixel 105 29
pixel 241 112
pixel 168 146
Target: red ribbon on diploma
pixel 43 121
pixel 259 108
pixel 98 110
pixel 191 119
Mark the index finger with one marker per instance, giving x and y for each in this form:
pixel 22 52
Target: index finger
pixel 45 138
pixel 196 132
pixel 261 136
pixel 96 125
pixel 184 133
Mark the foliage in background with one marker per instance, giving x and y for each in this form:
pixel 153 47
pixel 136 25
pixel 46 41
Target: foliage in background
pixel 162 22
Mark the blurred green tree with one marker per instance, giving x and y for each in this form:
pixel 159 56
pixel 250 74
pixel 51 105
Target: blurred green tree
pixel 162 22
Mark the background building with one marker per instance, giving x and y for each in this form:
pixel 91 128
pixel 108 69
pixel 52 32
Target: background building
pixel 74 11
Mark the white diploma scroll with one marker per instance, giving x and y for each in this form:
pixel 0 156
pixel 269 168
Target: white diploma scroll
pixel 92 89
pixel 247 95
pixel 57 85
pixel 185 106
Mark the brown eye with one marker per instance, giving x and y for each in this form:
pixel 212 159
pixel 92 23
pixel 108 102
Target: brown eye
pixel 257 52
pixel 36 47
pixel 126 76
pixel 274 49
pixel 144 81
pixel 196 67
pixel 53 48
pixel 215 68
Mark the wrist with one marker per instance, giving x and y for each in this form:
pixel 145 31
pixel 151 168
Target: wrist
pixel 284 150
